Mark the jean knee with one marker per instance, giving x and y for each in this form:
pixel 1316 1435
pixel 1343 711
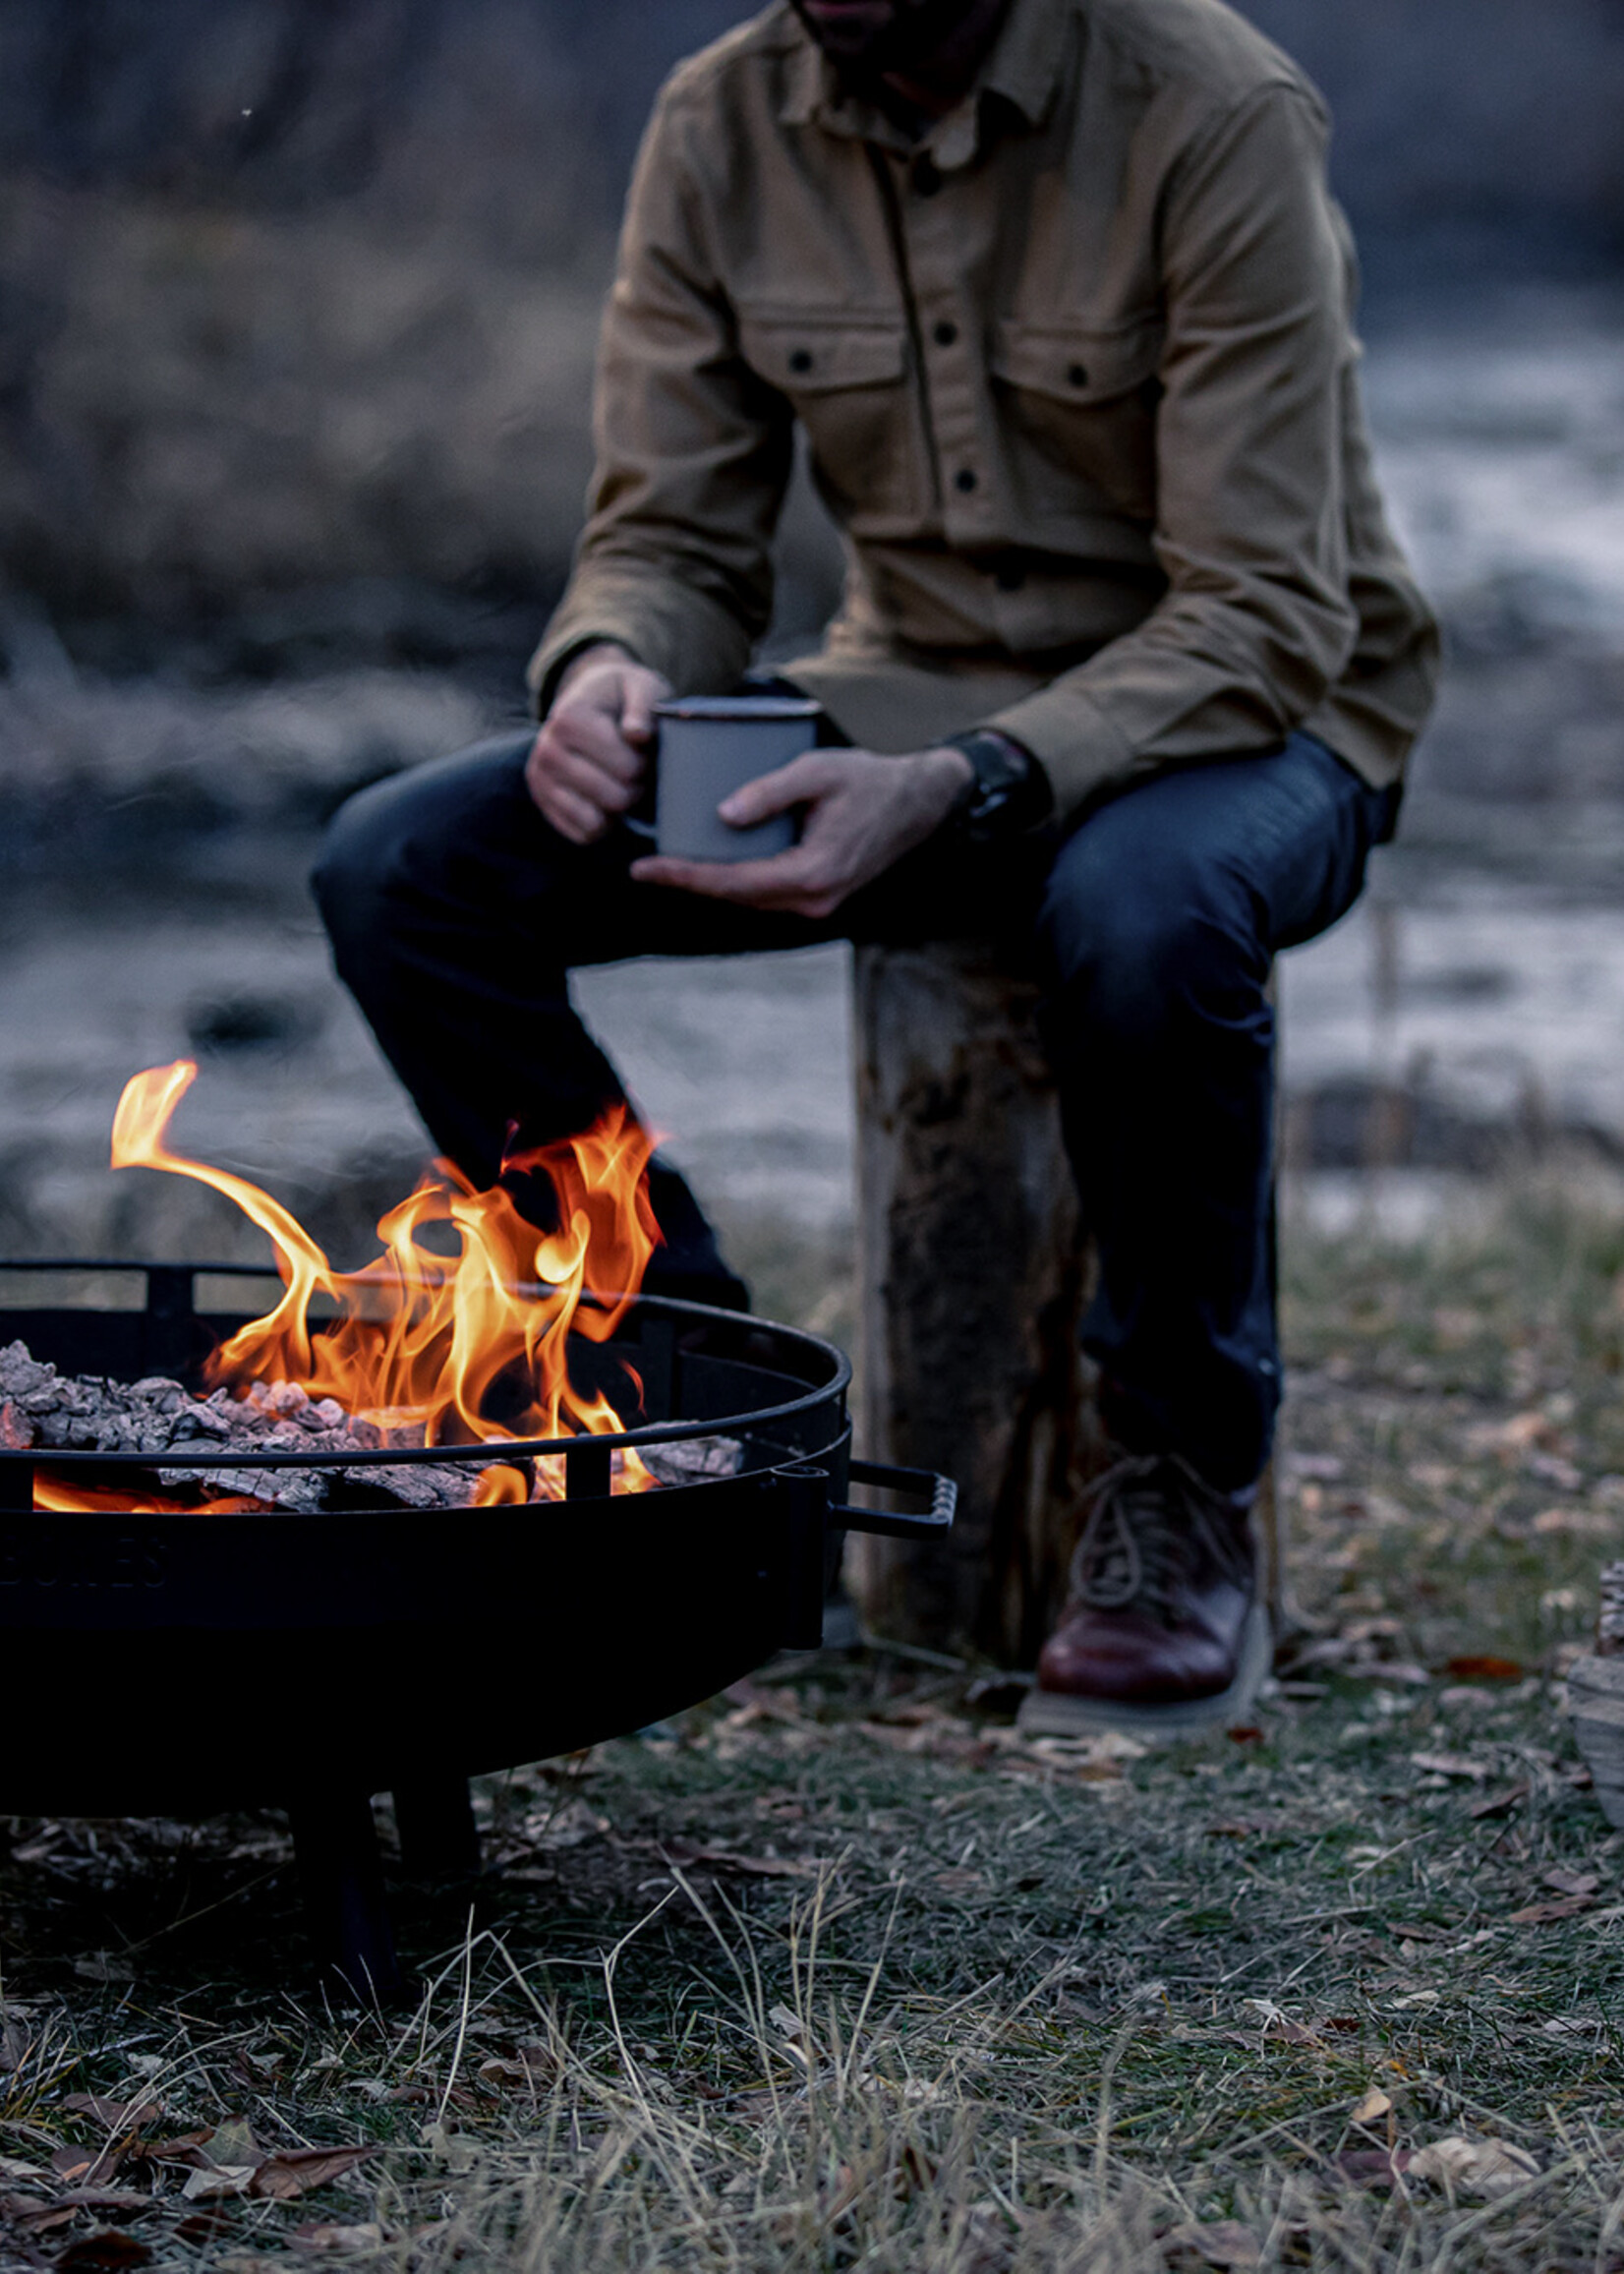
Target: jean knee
pixel 400 844
pixel 1143 950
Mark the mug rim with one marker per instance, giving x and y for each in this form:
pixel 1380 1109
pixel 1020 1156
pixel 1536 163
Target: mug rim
pixel 736 708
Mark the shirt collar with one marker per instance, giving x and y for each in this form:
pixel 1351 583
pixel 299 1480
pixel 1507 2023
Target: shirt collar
pixel 1023 67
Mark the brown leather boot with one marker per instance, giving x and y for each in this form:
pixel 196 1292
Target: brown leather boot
pixel 1163 1627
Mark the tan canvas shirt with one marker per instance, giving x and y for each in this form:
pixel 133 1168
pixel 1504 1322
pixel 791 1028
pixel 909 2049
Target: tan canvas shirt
pixel 1080 380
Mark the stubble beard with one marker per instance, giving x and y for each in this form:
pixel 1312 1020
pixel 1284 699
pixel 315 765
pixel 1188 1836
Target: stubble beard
pixel 875 43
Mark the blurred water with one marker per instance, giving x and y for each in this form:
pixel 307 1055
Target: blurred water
pixel 1483 976
pixel 1501 444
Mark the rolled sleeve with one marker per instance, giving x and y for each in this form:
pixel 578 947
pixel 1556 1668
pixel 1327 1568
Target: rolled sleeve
pixel 1256 622
pixel 693 451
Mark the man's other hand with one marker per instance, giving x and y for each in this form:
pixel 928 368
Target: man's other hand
pixel 590 760
pixel 863 812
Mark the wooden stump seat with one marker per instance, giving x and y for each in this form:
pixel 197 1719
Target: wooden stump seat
pixel 974 1267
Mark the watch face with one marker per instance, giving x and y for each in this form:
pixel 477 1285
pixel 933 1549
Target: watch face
pixel 1007 782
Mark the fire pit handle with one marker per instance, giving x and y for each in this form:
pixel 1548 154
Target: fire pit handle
pixel 810 1517
pixel 920 1484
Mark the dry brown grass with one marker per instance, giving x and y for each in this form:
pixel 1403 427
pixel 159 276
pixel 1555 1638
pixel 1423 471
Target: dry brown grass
pixel 838 1971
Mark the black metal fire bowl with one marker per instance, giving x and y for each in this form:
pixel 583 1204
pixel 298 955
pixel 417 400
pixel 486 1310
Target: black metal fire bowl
pixel 309 1660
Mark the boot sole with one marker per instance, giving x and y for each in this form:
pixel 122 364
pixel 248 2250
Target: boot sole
pixel 1055 1713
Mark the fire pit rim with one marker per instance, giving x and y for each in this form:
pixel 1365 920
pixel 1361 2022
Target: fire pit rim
pixel 490 1453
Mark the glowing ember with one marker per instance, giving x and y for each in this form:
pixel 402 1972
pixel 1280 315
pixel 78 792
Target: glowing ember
pixel 424 1343
pixel 55 1492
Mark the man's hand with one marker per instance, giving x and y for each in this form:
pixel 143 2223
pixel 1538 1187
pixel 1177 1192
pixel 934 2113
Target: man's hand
pixel 590 759
pixel 863 812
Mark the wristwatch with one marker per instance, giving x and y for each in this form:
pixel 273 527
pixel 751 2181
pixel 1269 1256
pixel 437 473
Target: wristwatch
pixel 1009 791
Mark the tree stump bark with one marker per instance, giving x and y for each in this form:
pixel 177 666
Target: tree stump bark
pixel 973 1264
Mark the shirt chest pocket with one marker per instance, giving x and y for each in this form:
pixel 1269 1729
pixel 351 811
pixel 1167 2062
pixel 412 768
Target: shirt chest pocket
pixel 1081 405
pixel 848 384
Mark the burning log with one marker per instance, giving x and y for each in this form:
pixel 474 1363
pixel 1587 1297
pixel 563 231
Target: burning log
pixel 81 1413
pixel 52 1412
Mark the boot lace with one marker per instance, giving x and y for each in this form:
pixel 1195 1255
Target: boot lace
pixel 1152 1526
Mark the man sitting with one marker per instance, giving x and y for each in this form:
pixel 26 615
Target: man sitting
pixel 1125 670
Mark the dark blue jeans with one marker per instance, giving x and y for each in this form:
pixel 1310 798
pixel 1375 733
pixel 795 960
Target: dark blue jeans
pixel 456 915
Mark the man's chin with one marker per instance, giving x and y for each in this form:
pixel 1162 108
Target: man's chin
pixel 866 38
pixel 850 32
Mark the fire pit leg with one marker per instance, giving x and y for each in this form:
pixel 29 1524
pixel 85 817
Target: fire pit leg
pixel 342 1875
pixel 434 1818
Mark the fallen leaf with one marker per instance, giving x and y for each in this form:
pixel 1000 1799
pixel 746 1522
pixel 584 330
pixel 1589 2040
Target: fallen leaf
pixel 1374 2167
pixel 295 2170
pixel 212 2180
pixel 12 2168
pixel 684 1853
pixel 186 2147
pixel 1246 1735
pixel 103 1966
pixel 1485 1669
pixel 88 2167
pixel 1283 2032
pixel 1243 1828
pixel 123 2201
pixel 541 2061
pixel 1573 1883
pixel 103 2253
pixel 1542 1914
pixel 1499 1803
pixel 322 2238
pixel 32 2212
pixel 1487 2168
pixel 1585 1523
pixel 205 2226
pixel 116 2115
pixel 1527 1428
pixel 1220 2242
pixel 1450 1765
pixel 1374 2104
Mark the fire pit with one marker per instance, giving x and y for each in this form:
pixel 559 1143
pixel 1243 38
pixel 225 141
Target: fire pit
pixel 309 1660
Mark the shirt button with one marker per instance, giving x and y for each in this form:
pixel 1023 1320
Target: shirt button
pixel 927 176
pixel 964 480
pixel 1077 374
pixel 944 334
pixel 801 360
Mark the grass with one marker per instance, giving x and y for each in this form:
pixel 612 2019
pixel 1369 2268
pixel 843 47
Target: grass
pixel 838 1971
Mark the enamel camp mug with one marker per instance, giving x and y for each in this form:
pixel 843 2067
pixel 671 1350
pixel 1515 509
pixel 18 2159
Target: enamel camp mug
pixel 711 745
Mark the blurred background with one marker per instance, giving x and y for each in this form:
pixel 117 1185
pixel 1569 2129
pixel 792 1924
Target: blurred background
pixel 297 313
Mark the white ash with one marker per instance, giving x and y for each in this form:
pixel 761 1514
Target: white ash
pixel 692 1458
pixel 145 1420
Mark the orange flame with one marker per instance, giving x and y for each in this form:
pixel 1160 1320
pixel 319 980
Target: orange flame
pixel 421 1340
pixel 52 1491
